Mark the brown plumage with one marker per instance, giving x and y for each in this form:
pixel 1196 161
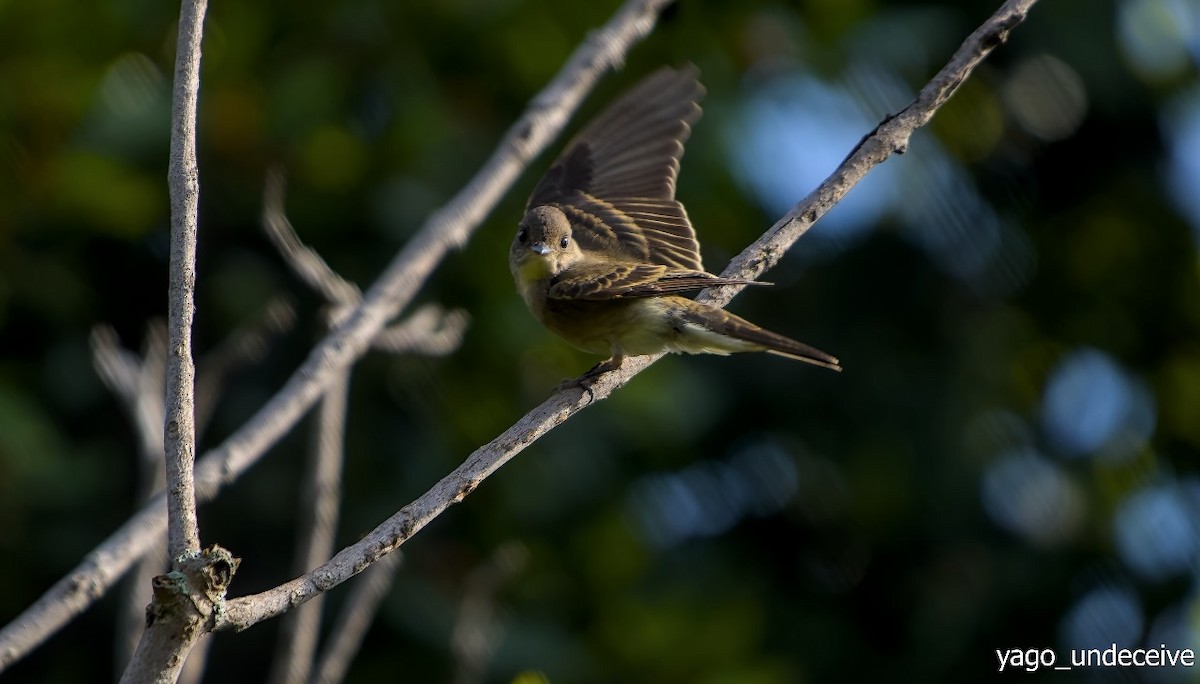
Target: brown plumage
pixel 605 249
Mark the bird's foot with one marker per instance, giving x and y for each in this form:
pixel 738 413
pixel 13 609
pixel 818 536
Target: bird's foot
pixel 585 381
pixel 609 364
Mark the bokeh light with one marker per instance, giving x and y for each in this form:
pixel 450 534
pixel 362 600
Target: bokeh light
pixel 1108 614
pixel 1156 530
pixel 1090 403
pixel 708 497
pixel 1032 497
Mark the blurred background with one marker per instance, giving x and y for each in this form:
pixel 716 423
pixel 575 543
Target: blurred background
pixel 1008 460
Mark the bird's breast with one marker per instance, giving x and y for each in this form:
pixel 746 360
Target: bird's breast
pixel 629 326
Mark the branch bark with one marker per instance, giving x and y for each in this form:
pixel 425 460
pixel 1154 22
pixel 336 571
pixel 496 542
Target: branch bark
pixel 183 601
pixel 448 228
pixel 186 602
pixel 316 532
pixel 183 175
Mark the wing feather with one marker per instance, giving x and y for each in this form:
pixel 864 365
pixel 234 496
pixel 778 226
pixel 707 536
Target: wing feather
pixel 615 180
pixel 606 281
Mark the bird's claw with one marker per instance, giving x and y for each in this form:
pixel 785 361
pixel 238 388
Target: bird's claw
pixel 585 381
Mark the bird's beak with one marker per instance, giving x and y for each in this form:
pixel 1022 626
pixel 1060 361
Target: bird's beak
pixel 540 248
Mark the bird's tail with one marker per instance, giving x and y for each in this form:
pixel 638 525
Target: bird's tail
pixel 751 336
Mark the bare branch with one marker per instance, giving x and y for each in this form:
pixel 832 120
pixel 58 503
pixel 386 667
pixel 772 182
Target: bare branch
pixel 356 616
pixel 890 137
pixel 448 228
pixel 186 601
pixel 183 534
pixel 430 330
pixel 193 669
pixel 316 532
pixel 183 602
pixel 137 383
pixel 307 264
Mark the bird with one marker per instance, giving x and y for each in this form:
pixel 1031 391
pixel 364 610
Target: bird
pixel 605 252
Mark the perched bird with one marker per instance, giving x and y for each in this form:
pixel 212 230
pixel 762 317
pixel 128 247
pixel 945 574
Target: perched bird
pixel 605 249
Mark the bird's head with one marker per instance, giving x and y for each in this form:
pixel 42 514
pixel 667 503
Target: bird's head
pixel 543 246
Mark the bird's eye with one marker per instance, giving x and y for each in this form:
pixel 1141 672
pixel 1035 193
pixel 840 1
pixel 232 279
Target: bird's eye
pixel 564 242
pixel 522 236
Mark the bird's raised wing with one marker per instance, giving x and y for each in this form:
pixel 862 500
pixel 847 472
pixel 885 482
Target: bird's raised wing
pixel 616 179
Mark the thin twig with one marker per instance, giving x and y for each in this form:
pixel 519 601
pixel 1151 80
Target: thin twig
pixel 891 137
pixel 166 641
pixel 316 532
pixel 138 384
pixel 445 230
pixel 429 331
pixel 304 260
pixel 322 479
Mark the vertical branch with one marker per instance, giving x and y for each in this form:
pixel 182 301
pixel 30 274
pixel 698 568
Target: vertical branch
pixel 185 600
pixel 356 616
pixel 316 533
pixel 183 177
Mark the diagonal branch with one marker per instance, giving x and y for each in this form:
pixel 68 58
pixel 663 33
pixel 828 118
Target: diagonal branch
pixel 316 530
pixel 448 228
pixel 891 136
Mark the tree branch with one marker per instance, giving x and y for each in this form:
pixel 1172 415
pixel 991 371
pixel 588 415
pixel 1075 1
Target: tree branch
pixel 430 330
pixel 891 136
pixel 183 534
pixel 448 228
pixel 183 601
pixel 305 261
pixel 316 531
